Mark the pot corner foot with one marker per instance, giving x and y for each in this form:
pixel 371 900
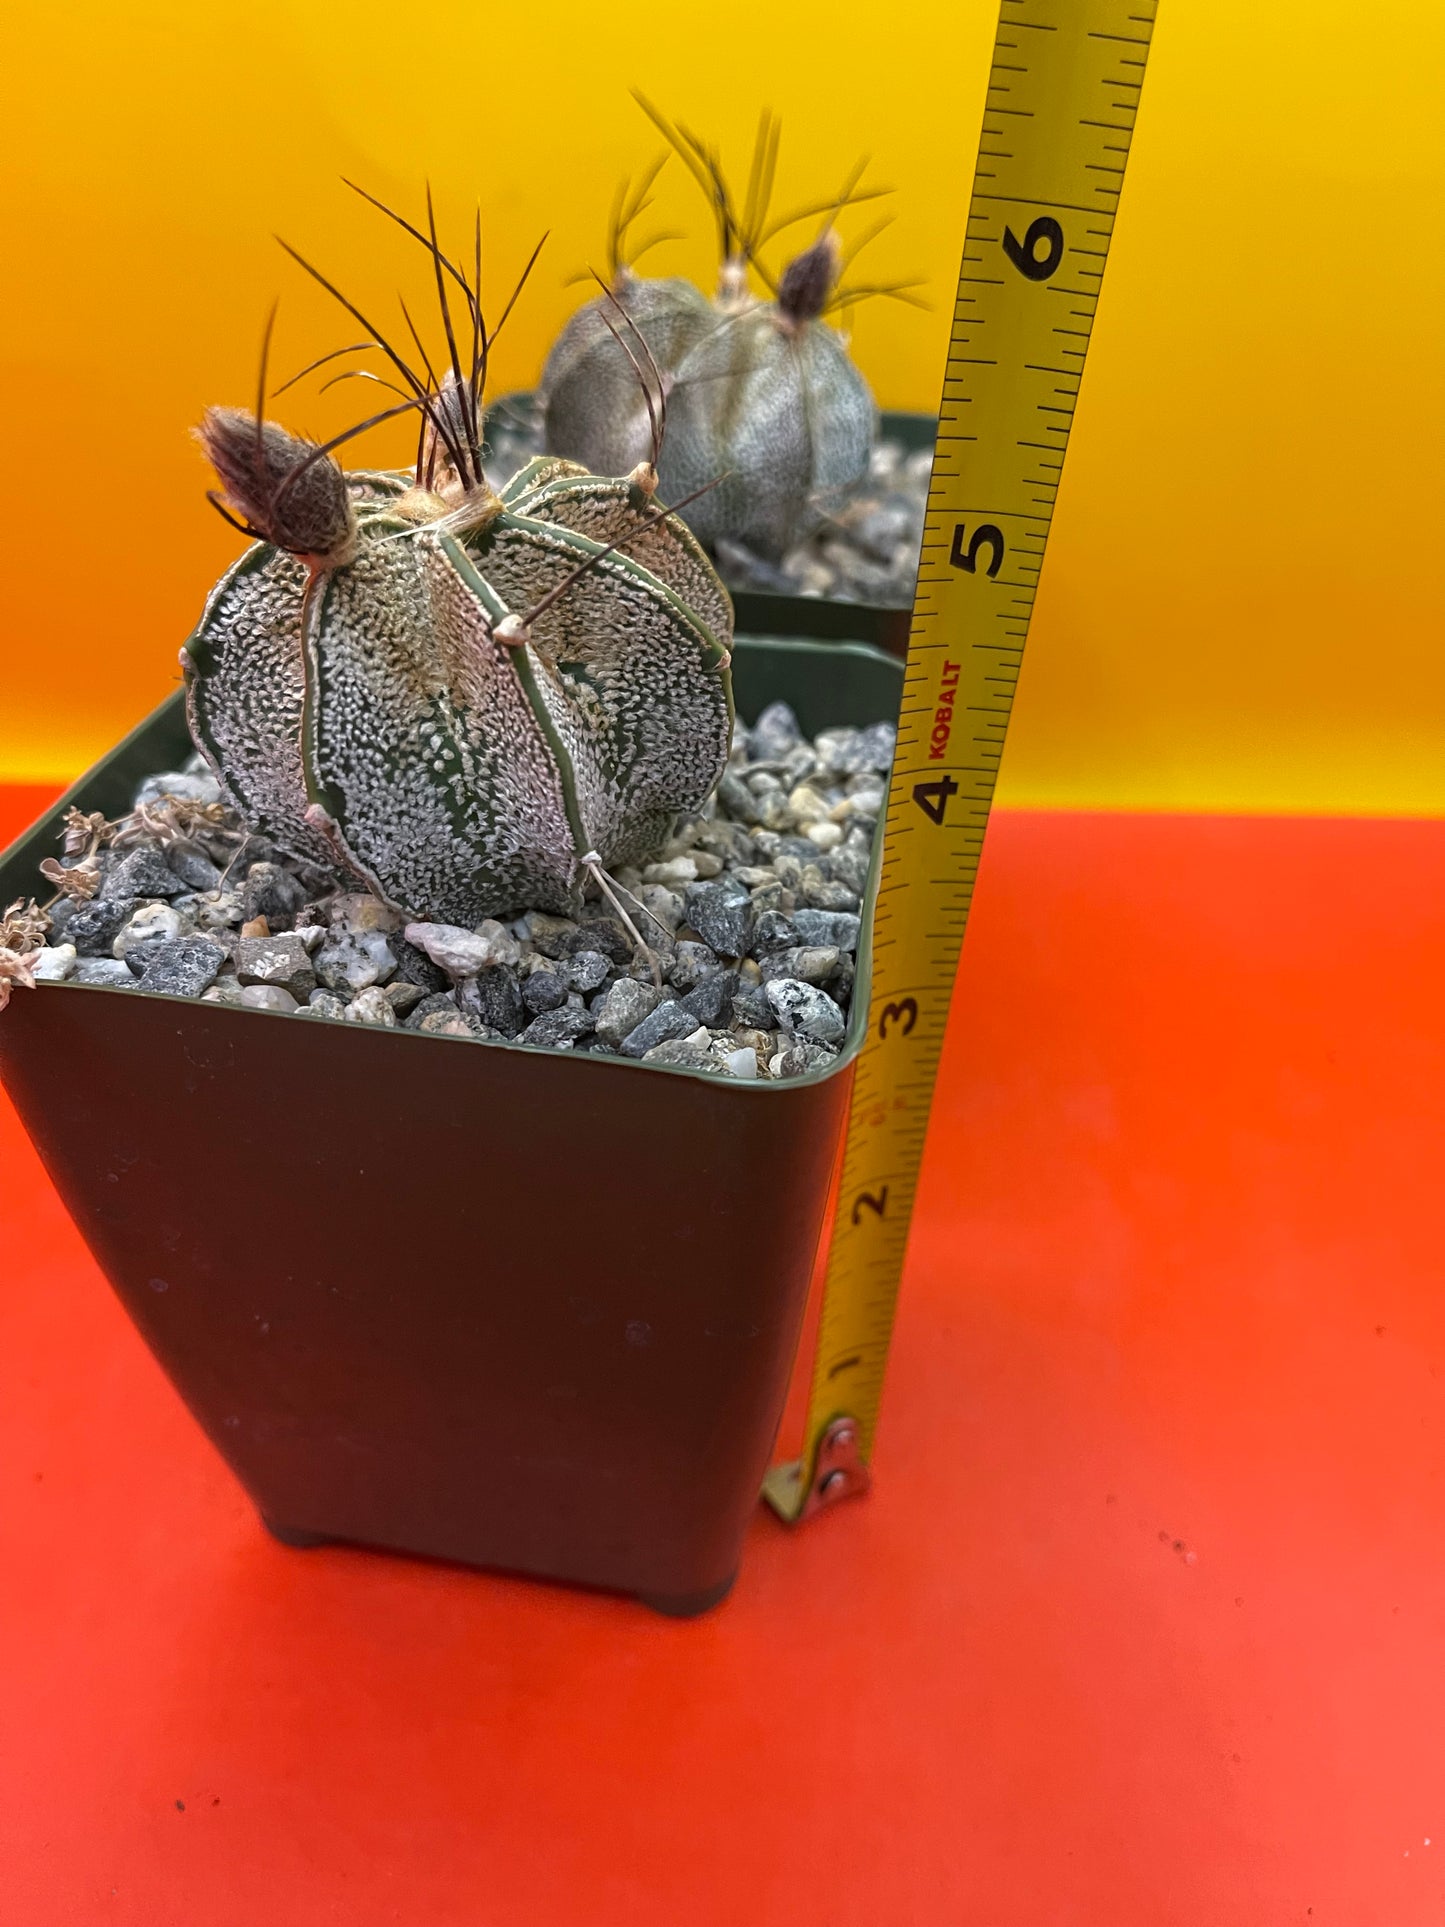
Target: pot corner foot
pixel 295 1536
pixel 687 1605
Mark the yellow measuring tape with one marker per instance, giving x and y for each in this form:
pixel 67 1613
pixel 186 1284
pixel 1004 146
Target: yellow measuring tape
pixel 1062 95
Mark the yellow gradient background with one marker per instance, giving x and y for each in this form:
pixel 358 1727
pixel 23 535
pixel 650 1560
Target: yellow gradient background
pixel 1242 606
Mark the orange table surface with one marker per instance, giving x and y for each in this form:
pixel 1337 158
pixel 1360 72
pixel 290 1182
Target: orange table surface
pixel 1144 1623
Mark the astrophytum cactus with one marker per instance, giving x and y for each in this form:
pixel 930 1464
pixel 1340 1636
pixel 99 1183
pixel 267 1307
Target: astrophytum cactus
pixel 770 402
pixel 593 389
pixel 762 397
pixel 471 701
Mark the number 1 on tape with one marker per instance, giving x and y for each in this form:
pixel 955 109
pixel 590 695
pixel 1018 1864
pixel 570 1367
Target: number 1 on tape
pixel 1062 96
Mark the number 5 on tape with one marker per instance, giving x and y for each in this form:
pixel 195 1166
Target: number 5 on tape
pixel 1062 96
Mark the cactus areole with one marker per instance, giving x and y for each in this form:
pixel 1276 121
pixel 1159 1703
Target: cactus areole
pixel 469 700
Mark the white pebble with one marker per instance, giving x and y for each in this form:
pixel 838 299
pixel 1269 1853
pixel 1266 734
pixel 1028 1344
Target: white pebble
pixel 371 1007
pixel 150 922
pixel 267 997
pixel 677 870
pixel 742 1063
pixel 462 953
pixel 827 836
pixel 806 805
pixel 54 965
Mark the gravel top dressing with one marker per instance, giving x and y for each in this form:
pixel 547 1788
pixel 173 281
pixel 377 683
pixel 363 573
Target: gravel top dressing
pixel 750 917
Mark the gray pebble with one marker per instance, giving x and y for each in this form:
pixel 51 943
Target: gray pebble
pixel 751 1006
pixel 822 893
pixel 225 990
pixel 588 970
pixel 693 1053
pixel 710 1002
pixel 355 960
pixel 806 1011
pixel 799 1056
pixel 774 931
pixel 451 1023
pixel 774 733
pixel 601 932
pixel 544 989
pixel 141 873
pixel 148 925
pixel 414 966
pixel 218 910
pixel 692 962
pixel 495 1000
pixel 559 1029
pixel 194 868
pixel 272 893
pixel 722 915
pixel 837 927
pixel 103 970
pixel 184 967
pixel 849 865
pixel 93 927
pixel 551 935
pixel 736 798
pixel 60 914
pixel 669 1020
pixel 326 1003
pixel 623 1008
pixel 665 905
pixel 440 1003
pixel 730 841
pixel 279 960
pixel 809 963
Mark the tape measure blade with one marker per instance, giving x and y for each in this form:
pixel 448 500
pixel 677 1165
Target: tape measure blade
pixel 1058 119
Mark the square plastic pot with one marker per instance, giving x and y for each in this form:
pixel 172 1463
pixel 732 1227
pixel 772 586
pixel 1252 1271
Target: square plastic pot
pixel 473 1301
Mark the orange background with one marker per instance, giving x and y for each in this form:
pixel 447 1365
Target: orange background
pixel 1237 611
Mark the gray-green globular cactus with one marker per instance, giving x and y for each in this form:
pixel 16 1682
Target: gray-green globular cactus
pixel 761 397
pixel 772 403
pixel 471 701
pixel 594 388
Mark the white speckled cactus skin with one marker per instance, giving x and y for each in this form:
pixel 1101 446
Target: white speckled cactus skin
pixel 593 408
pixel 383 705
pixel 770 402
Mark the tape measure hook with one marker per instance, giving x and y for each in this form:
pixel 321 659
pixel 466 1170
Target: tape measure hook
pixel 840 1472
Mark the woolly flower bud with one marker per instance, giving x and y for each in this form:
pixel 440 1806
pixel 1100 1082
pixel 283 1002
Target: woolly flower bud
pixel 271 482
pixel 809 279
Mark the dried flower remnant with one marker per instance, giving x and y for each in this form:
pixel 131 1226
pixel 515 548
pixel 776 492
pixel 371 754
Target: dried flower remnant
pixel 85 832
pixel 22 937
pixel 79 882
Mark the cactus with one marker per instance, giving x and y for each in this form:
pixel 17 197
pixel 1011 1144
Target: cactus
pixel 773 404
pixel 470 700
pixel 594 407
pixel 760 393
